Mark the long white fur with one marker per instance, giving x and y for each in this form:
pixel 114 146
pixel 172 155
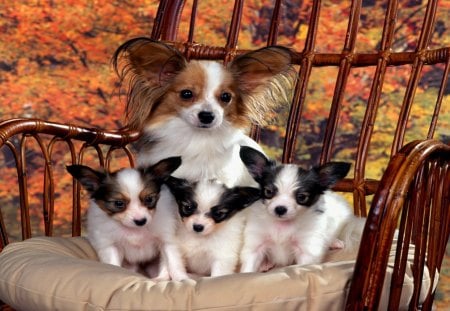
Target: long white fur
pixel 303 239
pixel 215 251
pixel 206 153
pixel 211 153
pixel 116 238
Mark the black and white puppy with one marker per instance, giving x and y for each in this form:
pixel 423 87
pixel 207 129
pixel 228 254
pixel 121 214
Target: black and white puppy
pixel 298 217
pixel 210 234
pixel 125 224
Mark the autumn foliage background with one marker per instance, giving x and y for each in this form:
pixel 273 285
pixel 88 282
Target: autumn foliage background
pixel 55 65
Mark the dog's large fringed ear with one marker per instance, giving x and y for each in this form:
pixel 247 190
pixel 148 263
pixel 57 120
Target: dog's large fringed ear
pixel 179 186
pixel 330 173
pixel 90 179
pixel 149 67
pixel 162 170
pixel 266 77
pixel 255 68
pixel 241 197
pixel 256 162
pixel 157 62
pixel 183 192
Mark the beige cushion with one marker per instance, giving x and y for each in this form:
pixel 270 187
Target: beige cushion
pixel 64 274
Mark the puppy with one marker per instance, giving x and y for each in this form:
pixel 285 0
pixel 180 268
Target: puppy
pixel 298 217
pixel 210 234
pixel 125 225
pixel 200 109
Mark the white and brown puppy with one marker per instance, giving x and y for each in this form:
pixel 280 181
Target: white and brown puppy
pixel 210 233
pixel 298 217
pixel 201 109
pixel 124 223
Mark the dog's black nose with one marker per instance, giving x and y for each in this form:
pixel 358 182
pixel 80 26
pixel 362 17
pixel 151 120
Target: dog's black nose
pixel 280 210
pixel 140 222
pixel 206 117
pixel 198 228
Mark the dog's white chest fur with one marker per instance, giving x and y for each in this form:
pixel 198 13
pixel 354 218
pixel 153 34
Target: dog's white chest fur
pixel 206 153
pixel 214 254
pixel 136 244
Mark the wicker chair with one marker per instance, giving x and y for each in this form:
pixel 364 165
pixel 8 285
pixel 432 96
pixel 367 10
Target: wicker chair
pixel 412 196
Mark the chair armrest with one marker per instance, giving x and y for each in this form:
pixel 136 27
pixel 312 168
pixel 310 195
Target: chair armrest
pixel 27 140
pixel 11 127
pixel 414 191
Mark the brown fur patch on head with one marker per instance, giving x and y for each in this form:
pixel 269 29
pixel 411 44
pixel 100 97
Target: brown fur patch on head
pixel 149 67
pixel 159 172
pixel 194 79
pixel 266 80
pixel 149 197
pixel 260 80
pixel 102 187
pixel 190 78
pixel 108 194
pixel 237 112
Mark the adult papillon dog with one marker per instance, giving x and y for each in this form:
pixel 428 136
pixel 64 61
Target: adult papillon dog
pixel 211 225
pixel 200 109
pixel 298 218
pixel 125 224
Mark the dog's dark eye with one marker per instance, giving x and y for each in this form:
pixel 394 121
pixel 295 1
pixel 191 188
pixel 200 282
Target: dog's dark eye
pixel 302 197
pixel 187 208
pixel 186 94
pixel 225 97
pixel 119 205
pixel 269 192
pixel 219 214
pixel 150 201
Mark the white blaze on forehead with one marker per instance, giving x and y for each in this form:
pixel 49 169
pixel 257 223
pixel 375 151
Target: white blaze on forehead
pixel 130 182
pixel 286 183
pixel 207 194
pixel 131 185
pixel 286 180
pixel 214 75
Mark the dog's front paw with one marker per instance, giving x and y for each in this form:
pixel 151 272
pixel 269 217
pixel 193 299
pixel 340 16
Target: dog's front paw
pixel 179 276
